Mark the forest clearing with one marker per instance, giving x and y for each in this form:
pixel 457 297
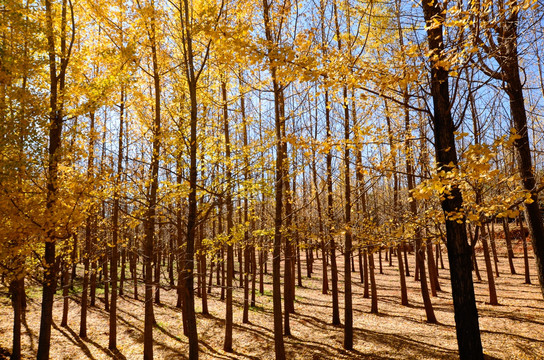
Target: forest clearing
pixel 258 179
pixel 512 330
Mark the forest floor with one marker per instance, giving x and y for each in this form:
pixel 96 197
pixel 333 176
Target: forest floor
pixel 512 330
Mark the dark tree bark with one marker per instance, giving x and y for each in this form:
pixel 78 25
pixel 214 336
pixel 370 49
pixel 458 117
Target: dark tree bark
pixel 227 345
pixel 491 231
pixel 489 269
pixel 279 186
pixel 192 76
pixel 329 218
pixel 366 294
pixel 202 258
pixel 505 52
pixel 151 214
pixel 509 250
pixel 112 343
pixel 65 281
pixel 525 254
pixel 403 289
pixel 56 116
pixel 325 280
pixel 373 288
pixel 459 250
pixel 16 289
pixel 288 283
pixel 249 260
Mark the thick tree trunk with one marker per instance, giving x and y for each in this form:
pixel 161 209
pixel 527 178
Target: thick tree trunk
pixel 16 288
pixel 188 273
pixel 56 89
pixel 150 219
pixel 514 89
pixel 279 187
pixel 459 250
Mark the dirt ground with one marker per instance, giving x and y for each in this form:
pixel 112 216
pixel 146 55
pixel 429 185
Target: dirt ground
pixel 512 330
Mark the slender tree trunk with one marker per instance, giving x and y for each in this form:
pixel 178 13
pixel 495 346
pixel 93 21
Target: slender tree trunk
pixel 348 302
pixel 380 259
pixel 171 258
pixel 489 269
pixel 254 274
pixel 288 284
pixel 432 271
pixel 334 267
pixel 325 280
pixel 105 275
pixel 494 248
pixel 227 345
pixel 366 294
pixel 88 242
pixel 510 251
pixel 112 344
pixel 419 273
pixel 157 255
pixel 373 288
pixel 202 275
pixel 525 255
pixel 403 289
pixel 249 251
pixel 65 293
pixel 261 272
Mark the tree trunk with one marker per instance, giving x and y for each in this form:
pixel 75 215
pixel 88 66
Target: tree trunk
pixel 459 251
pixel 374 291
pixel 188 273
pixel 489 269
pixel 514 88
pixel 403 289
pixel 334 267
pixel 366 291
pixel 16 288
pixel 202 258
pixel 56 90
pixel 151 213
pixel 227 345
pixel 433 280
pixel 65 292
pixel 493 247
pixel 525 255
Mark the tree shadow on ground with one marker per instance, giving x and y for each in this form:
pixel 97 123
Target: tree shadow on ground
pixel 398 343
pixel 75 339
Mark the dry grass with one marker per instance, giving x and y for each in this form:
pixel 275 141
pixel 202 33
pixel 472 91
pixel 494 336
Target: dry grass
pixel 512 330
